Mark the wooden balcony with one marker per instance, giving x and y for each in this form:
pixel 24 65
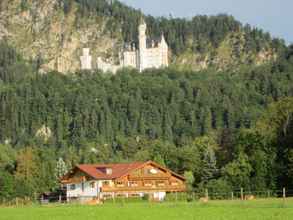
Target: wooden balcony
pixel 148 177
pixel 168 188
pixel 74 180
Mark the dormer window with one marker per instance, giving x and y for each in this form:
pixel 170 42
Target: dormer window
pixel 153 171
pixel 106 170
pixel 109 171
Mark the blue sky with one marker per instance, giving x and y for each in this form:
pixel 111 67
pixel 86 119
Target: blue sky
pixel 274 16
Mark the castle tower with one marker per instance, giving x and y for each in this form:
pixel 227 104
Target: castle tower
pixel 142 44
pixel 86 59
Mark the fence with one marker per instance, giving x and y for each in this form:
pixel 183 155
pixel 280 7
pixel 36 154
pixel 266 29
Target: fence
pixel 205 195
pixel 240 194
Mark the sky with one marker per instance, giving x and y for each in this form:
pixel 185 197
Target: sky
pixel 274 16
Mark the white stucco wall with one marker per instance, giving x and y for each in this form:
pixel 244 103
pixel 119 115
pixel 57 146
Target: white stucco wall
pixel 160 195
pixel 130 59
pixel 87 190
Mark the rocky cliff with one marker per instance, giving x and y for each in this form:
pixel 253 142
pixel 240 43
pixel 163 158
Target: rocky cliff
pixel 42 31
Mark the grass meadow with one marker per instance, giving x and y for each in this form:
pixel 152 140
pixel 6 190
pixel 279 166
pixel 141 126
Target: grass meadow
pixel 274 209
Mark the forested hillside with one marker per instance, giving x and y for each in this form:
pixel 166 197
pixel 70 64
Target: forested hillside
pixel 169 104
pixel 53 32
pixel 228 129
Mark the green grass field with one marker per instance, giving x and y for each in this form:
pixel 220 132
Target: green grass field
pixel 223 210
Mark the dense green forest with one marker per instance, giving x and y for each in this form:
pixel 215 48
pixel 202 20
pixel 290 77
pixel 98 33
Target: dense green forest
pixel 225 130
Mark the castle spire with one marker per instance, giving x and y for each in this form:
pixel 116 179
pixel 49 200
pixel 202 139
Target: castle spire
pixel 142 21
pixel 163 38
pixel 142 44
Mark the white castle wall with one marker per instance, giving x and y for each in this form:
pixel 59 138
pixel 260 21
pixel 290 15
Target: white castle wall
pixel 86 59
pixel 130 59
pixel 154 57
pixel 107 67
pixel 141 58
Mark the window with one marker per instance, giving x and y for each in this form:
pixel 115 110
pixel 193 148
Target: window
pixel 106 183
pixel 107 196
pixel 82 186
pixel 109 171
pixel 133 183
pixel 174 183
pixel 135 195
pixel 153 171
pixel 160 183
pixel 119 184
pixel 148 183
pixel 92 184
pixel 72 187
pixel 121 195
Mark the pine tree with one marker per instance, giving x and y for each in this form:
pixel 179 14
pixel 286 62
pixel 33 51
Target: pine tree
pixel 27 172
pixel 60 170
pixel 189 180
pixel 209 168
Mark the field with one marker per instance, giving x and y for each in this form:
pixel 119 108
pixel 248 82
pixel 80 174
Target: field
pixel 215 210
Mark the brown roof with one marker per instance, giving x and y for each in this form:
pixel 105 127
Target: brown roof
pixel 118 169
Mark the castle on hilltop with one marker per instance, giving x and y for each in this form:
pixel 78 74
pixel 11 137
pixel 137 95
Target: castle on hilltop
pixel 151 53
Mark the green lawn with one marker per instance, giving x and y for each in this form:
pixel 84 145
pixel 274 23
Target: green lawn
pixel 214 210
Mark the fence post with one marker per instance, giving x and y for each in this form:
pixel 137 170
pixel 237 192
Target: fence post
pixel 35 197
pixel 241 192
pixel 60 198
pixel 269 195
pixel 232 195
pixel 284 193
pixel 114 197
pixel 207 194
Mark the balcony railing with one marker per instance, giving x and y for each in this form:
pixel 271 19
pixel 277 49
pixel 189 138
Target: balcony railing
pixel 149 176
pixel 167 188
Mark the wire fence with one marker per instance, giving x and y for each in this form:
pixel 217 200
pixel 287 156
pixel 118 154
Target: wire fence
pixel 202 196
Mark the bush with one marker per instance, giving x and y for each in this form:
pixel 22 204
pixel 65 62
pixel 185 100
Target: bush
pixel 172 197
pixel 125 200
pixel 219 189
pixel 146 197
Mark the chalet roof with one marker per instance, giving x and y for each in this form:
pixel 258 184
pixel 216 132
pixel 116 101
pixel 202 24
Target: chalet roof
pixel 118 169
pixel 97 171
